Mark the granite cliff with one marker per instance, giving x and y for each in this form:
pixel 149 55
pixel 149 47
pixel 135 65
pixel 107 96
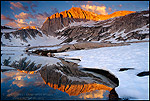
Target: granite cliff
pixel 63 19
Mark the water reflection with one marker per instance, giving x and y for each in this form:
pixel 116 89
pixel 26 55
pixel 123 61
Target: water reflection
pixel 75 82
pixel 19 85
pixel 50 78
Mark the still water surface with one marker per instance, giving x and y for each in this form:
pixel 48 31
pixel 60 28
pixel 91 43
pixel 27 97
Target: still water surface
pixel 31 77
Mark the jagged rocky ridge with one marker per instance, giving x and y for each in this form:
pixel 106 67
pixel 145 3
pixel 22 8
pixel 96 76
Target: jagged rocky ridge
pixel 82 26
pixel 63 19
pixel 22 34
pixel 124 28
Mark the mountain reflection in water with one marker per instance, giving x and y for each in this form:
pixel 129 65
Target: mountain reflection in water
pixel 63 79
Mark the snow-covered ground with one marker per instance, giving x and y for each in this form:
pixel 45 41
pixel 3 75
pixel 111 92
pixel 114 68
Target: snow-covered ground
pixel 45 48
pixel 112 59
pixel 7 30
pixel 37 41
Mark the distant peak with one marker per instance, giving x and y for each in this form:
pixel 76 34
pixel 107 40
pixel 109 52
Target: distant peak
pixel 28 27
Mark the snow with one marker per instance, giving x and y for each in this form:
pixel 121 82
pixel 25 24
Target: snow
pixel 76 57
pixel 112 59
pixel 60 30
pixel 6 67
pixel 144 28
pixel 61 54
pixel 147 15
pixel 73 42
pixel 7 30
pixel 45 48
pixel 18 53
pixel 132 40
pixel 84 24
pixel 37 41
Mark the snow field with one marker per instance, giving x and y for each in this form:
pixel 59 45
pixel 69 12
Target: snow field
pixel 112 59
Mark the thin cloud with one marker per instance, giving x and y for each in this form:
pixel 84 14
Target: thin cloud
pixel 110 9
pixel 23 15
pixel 77 3
pixel 120 5
pixel 54 10
pixel 32 7
pixel 21 19
pixel 17 23
pixel 12 8
pixel 95 9
pixel 32 23
pixel 21 23
pixel 42 16
pixel 19 6
pixel 6 18
pixel 12 24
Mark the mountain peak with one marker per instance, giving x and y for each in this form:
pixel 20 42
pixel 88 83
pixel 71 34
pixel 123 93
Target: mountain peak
pixel 78 13
pixel 75 14
pixel 28 27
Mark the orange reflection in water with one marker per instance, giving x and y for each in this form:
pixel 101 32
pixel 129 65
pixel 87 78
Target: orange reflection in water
pixel 75 90
pixel 93 94
pixel 28 72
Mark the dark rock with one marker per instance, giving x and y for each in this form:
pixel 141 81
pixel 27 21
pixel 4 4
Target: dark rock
pixel 144 73
pixel 105 73
pixel 50 54
pixel 113 95
pixel 124 69
pixel 100 32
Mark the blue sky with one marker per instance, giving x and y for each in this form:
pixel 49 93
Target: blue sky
pixel 34 13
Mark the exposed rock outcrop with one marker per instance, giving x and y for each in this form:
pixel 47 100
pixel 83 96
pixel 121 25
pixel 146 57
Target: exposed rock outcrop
pixel 76 46
pixel 74 25
pixel 63 19
pixel 124 28
pixel 22 34
pixel 28 27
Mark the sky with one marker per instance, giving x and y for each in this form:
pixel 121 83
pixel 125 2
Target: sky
pixel 33 13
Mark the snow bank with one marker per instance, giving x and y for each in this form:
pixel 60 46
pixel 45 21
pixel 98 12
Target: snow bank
pixel 7 67
pixel 45 48
pixel 147 15
pixel 112 59
pixel 37 41
pixel 7 30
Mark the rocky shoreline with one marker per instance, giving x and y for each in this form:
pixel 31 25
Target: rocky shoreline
pixel 71 47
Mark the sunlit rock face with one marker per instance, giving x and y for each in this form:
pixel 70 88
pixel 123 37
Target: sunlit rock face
pixel 81 26
pixel 134 26
pixel 28 27
pixel 67 77
pixel 63 19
